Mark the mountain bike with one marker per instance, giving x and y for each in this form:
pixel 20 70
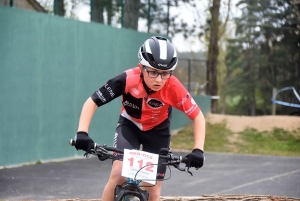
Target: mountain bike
pixel 131 189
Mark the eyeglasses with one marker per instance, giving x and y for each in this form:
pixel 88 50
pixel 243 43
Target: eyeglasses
pixel 154 74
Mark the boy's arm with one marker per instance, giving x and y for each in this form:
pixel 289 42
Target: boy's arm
pixel 196 157
pixel 199 131
pixel 87 112
pixel 82 139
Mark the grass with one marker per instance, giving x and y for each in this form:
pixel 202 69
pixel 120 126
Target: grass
pixel 218 138
pixel 275 142
pixel 38 162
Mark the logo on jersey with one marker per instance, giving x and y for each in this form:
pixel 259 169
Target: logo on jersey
pixel 193 101
pixel 110 91
pixel 135 91
pixel 128 104
pixel 192 108
pixel 155 103
pixel 160 174
pixel 183 100
pixel 100 95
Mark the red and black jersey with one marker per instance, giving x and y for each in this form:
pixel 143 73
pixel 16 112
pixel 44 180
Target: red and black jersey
pixel 146 109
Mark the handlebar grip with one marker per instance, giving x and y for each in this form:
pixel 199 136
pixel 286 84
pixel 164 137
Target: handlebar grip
pixel 73 142
pixel 184 159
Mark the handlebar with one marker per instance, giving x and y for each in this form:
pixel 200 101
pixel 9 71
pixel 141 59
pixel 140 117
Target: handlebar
pixel 95 146
pixel 103 150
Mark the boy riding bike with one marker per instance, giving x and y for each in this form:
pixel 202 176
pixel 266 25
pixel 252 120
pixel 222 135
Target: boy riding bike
pixel 148 92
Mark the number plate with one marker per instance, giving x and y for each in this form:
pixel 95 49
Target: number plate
pixel 135 160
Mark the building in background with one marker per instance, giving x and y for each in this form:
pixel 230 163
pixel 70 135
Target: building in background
pixel 24 4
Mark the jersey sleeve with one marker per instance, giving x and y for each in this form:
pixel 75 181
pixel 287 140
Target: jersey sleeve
pixel 182 100
pixel 112 89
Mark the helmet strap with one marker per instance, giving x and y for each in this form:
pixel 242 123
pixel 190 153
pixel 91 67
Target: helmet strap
pixel 147 89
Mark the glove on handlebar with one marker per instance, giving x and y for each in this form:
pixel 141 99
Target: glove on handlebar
pixel 195 159
pixel 83 141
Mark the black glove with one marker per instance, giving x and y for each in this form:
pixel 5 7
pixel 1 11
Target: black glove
pixel 83 141
pixel 195 159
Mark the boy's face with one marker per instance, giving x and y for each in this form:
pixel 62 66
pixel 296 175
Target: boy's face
pixel 154 80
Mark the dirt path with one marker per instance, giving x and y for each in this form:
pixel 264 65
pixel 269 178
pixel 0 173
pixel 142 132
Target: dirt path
pixel 261 123
pixel 214 198
pixel 230 198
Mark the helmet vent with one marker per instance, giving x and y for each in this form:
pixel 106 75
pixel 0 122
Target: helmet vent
pixel 151 58
pixel 173 61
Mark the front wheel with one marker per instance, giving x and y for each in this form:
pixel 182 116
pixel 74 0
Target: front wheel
pixel 130 193
pixel 131 198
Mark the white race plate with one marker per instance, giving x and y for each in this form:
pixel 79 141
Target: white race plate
pixel 140 161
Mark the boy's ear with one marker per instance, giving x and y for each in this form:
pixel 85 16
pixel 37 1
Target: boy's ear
pixel 140 66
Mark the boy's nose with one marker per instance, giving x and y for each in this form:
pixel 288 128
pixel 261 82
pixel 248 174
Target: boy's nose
pixel 158 78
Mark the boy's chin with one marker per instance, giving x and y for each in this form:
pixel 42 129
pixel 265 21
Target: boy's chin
pixel 155 89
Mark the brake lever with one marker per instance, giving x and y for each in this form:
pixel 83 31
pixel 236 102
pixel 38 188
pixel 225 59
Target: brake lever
pixel 93 152
pixel 186 169
pixel 86 154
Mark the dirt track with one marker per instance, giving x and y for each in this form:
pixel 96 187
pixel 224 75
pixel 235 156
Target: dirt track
pixel 261 123
pixel 230 198
pixel 216 198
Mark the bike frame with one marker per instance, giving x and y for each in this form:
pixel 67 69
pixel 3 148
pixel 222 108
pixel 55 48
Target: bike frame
pixel 131 189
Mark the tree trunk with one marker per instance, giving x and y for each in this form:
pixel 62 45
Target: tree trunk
pixel 98 9
pixel 223 109
pixel 213 53
pixel 131 14
pixel 109 10
pixel 59 8
pixel 252 105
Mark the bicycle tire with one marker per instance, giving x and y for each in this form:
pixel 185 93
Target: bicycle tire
pixel 122 191
pixel 131 198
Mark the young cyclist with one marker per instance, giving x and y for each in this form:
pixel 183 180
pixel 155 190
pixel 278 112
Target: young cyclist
pixel 148 92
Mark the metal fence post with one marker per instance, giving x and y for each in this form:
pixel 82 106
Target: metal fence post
pixel 122 13
pixel 207 78
pixel 274 104
pixel 189 76
pixel 148 16
pixel 190 72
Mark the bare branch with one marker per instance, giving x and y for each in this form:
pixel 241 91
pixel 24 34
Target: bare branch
pixel 223 27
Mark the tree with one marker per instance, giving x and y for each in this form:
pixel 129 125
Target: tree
pixel 131 14
pixel 104 9
pixel 215 30
pixel 267 51
pixel 213 52
pixel 59 7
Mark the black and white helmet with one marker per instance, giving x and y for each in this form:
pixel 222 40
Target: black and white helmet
pixel 157 52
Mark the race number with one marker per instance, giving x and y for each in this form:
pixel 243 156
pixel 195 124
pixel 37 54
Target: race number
pixel 139 165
